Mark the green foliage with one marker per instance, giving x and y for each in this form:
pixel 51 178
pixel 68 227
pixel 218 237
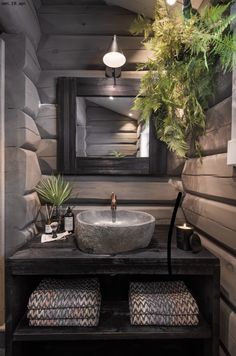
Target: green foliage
pixel 117 154
pixel 54 190
pixel 187 53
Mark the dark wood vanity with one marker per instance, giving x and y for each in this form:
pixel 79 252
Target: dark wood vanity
pixel 114 334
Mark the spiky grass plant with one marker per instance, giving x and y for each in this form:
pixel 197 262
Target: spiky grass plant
pixel 54 190
pixel 187 53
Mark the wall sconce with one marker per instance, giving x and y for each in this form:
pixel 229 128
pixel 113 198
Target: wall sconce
pixel 171 2
pixel 114 59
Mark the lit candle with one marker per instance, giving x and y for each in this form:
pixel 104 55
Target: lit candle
pixel 183 233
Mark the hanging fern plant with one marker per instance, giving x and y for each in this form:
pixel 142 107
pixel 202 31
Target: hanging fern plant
pixel 181 74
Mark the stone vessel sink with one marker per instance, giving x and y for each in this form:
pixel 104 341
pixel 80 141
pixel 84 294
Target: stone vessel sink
pixel 107 232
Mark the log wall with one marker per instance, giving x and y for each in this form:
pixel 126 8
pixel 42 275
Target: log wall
pixel 75 50
pixel 22 138
pixel 210 206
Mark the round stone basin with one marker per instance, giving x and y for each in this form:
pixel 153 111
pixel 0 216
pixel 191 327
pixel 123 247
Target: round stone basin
pixel 107 232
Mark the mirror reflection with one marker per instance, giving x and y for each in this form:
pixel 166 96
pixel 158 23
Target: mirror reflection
pixel 109 127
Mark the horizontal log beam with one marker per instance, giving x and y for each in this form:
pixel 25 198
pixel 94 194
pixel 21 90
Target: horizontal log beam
pixel 223 235
pixel 215 165
pixel 227 269
pixel 221 189
pixel 127 188
pixel 223 214
pixel 88 20
pixel 86 52
pixel 48 80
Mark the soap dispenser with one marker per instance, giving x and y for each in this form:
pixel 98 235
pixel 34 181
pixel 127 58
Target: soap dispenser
pixel 69 220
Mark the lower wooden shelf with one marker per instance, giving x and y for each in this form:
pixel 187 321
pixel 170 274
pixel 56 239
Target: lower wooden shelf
pixel 114 325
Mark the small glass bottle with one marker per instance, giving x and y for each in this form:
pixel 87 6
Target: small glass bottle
pixel 69 220
pixel 48 229
pixel 57 217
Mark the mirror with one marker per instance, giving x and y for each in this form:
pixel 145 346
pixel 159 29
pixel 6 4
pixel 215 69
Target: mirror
pixel 109 127
pixel 100 134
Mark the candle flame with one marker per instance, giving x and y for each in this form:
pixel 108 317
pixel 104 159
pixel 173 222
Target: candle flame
pixel 185 225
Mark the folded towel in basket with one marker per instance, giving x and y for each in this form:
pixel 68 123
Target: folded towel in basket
pixel 164 320
pixel 64 322
pixel 162 303
pixel 65 293
pixel 65 302
pixel 63 313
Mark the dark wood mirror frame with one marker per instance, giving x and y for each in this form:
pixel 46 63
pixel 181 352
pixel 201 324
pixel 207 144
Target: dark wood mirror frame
pixel 67 91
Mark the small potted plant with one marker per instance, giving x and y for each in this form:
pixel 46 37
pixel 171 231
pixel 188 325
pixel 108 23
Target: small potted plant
pixel 55 191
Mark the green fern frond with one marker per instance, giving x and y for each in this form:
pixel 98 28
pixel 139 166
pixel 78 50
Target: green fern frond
pixel 181 73
pixel 211 14
pixel 141 25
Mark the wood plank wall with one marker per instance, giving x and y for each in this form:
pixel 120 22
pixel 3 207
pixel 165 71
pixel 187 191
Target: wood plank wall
pixel 109 131
pixel 210 205
pixel 75 49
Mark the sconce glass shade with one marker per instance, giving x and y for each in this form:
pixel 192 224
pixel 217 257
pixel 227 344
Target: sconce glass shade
pixel 114 58
pixel 171 2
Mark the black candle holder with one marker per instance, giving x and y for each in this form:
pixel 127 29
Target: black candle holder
pixel 183 234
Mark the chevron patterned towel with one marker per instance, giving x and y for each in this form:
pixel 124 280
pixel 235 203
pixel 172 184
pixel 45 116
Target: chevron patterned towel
pixel 65 293
pixel 64 322
pixel 63 313
pixel 65 302
pixel 162 303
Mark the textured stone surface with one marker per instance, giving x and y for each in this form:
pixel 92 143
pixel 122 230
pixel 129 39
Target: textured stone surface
pixel 21 130
pixel 106 232
pixel 162 214
pixel 22 170
pixel 25 208
pixel 47 121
